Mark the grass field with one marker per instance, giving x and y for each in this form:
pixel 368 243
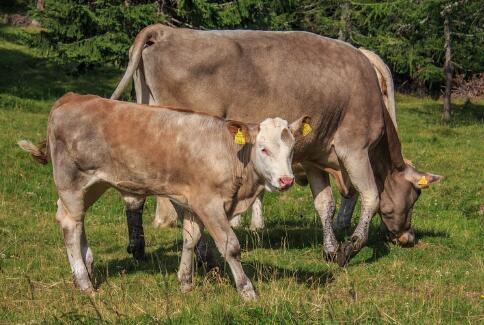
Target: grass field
pixel 439 281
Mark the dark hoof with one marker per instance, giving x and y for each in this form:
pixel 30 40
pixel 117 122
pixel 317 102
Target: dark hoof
pixel 138 250
pixel 345 251
pixel 330 257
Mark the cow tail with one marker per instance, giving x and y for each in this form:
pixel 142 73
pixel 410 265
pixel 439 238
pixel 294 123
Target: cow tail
pixel 40 152
pixel 134 58
pixel 388 89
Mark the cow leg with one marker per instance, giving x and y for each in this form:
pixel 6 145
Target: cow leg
pixel 324 204
pixel 192 232
pixel 359 169
pixel 166 214
pixel 228 245
pixel 257 221
pixel 342 221
pixel 134 212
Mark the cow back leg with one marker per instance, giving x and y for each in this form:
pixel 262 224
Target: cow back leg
pixel 228 245
pixel 325 206
pixel 166 214
pixel 192 232
pixel 134 213
pixel 357 164
pixel 342 222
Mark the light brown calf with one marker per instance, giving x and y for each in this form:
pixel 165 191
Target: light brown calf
pixel 212 167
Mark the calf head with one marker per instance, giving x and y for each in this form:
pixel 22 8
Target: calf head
pixel 272 150
pixel 401 191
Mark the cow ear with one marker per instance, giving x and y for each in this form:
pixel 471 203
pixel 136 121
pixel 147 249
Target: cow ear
pixel 301 126
pixel 421 180
pixel 239 132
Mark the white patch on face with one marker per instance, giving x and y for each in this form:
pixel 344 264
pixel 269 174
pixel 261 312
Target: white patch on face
pixel 273 152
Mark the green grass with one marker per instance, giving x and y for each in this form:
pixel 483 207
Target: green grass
pixel 441 280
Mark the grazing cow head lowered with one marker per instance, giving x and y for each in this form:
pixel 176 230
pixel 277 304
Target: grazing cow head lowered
pixel 272 149
pixel 400 193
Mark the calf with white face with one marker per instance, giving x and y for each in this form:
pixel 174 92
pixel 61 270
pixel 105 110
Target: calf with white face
pixel 212 167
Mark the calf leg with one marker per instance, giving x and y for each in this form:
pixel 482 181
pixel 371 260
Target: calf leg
pixel 70 216
pixel 227 243
pixel 343 218
pixel 324 204
pixel 192 231
pixel 359 169
pixel 134 212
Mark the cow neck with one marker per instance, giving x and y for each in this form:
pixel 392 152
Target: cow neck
pixel 387 156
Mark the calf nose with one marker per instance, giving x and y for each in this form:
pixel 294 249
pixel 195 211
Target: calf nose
pixel 286 181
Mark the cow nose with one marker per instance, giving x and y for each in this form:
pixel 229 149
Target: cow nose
pixel 407 239
pixel 286 181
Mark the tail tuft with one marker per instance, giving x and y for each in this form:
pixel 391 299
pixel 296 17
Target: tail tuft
pixel 38 152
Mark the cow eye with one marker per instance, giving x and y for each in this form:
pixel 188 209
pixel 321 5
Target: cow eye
pixel 265 151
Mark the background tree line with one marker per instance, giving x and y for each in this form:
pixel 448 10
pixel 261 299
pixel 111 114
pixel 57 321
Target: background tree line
pixel 412 36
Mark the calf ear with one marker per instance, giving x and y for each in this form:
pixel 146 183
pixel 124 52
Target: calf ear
pixel 301 126
pixel 239 132
pixel 421 180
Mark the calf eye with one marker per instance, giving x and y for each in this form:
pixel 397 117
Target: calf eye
pixel 265 151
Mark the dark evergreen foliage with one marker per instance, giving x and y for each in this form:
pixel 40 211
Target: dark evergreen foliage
pixel 408 34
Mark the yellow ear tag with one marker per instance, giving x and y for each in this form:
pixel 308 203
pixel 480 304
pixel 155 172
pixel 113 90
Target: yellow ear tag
pixel 423 182
pixel 239 137
pixel 306 129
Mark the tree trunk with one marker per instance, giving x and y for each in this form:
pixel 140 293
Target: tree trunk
pixel 448 70
pixel 41 5
pixel 344 29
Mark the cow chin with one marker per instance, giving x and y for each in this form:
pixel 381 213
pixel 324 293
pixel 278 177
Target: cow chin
pixel 269 187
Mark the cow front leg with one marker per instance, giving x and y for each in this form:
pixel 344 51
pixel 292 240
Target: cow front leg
pixel 324 204
pixel 228 245
pixel 342 222
pixel 134 212
pixel 257 220
pixel 192 232
pixel 358 165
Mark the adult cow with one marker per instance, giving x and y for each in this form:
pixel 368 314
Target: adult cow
pixel 165 213
pixel 250 75
pixel 95 144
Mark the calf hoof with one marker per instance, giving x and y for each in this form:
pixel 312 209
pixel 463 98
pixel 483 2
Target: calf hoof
pixel 256 227
pixel 345 251
pixel 137 249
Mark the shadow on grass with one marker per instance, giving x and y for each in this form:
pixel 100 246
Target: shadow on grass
pixel 466 113
pixel 27 77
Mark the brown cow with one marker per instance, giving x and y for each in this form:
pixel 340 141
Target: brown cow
pixel 212 167
pixel 250 75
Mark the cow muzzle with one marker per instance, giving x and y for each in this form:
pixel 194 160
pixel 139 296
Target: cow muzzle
pixel 405 239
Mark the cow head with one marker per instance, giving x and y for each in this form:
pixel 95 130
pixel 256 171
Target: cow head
pixel 272 151
pixel 401 191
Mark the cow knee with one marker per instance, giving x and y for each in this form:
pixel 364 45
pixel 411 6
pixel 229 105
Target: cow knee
pixel 325 205
pixel 232 249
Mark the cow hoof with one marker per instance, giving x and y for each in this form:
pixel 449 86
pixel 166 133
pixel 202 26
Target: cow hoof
pixel 186 287
pixel 344 254
pixel 89 292
pixel 248 293
pixel 137 250
pixel 329 256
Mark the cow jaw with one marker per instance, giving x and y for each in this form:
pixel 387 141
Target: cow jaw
pixel 273 151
